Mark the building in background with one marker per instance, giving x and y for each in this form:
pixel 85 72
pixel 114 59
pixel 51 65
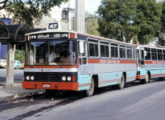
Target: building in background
pixel 3 47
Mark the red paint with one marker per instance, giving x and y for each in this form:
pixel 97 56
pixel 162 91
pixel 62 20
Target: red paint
pixel 53 85
pixel 74 78
pixel 138 77
pixel 72 36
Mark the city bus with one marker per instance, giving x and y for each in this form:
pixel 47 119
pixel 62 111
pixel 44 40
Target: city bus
pixel 69 61
pixel 151 63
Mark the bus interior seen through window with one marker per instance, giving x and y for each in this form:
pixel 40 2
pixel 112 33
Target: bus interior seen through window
pixel 62 52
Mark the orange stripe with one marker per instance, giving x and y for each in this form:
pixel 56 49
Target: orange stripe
pixel 148 62
pixel 93 61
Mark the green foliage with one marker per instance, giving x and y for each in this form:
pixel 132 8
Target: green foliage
pixel 129 19
pixel 148 17
pixel 92 24
pixel 29 11
pixel 20 55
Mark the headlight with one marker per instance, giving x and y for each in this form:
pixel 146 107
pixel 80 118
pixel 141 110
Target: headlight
pixel 27 78
pixel 32 77
pixel 69 78
pixel 63 78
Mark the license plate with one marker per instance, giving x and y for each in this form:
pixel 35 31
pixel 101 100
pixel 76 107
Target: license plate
pixel 46 85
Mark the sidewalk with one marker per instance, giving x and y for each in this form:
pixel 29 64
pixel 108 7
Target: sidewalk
pixel 15 92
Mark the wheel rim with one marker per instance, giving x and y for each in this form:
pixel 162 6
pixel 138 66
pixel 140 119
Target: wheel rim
pixel 147 78
pixel 91 88
pixel 122 82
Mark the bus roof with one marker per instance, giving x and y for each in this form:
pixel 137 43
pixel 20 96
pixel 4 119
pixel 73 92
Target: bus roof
pixel 149 46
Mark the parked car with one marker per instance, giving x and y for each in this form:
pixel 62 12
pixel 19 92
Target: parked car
pixel 18 64
pixel 3 63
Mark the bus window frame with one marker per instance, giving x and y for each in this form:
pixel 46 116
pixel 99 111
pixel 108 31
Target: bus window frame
pixel 116 45
pixel 129 48
pixel 93 41
pixel 86 52
pixel 154 52
pixel 104 43
pixel 123 46
pixel 150 54
pixel 158 54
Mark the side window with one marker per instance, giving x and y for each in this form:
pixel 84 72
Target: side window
pixel 164 54
pixel 129 53
pixel 93 49
pixel 154 54
pixel 160 55
pixel 104 50
pixel 122 52
pixel 114 50
pixel 148 53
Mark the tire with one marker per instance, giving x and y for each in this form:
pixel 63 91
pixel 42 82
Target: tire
pixel 122 82
pixel 91 89
pixel 147 78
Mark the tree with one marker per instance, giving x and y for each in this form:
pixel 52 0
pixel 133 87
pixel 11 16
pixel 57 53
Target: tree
pixel 116 18
pixel 20 55
pixel 162 31
pixel 28 11
pixel 129 19
pixel 92 24
pixel 148 18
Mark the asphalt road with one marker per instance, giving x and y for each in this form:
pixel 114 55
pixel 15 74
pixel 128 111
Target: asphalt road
pixel 136 102
pixel 18 75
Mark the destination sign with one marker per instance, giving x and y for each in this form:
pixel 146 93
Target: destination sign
pixel 49 36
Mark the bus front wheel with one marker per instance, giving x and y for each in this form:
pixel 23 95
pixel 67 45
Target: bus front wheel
pixel 91 89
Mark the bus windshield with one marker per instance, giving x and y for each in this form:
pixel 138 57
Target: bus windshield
pixel 59 52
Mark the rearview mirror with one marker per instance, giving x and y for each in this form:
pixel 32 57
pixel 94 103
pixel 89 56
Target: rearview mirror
pixel 81 47
pixel 145 53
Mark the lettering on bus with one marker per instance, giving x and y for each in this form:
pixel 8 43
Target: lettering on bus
pixel 49 36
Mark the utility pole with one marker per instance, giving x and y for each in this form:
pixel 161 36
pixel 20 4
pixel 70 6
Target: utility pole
pixel 10 65
pixel 80 16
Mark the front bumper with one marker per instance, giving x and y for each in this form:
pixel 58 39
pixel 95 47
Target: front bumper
pixel 50 85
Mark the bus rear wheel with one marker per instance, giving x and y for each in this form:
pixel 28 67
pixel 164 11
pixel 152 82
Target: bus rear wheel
pixel 91 89
pixel 122 82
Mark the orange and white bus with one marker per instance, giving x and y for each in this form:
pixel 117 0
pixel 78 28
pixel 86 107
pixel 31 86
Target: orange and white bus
pixel 62 60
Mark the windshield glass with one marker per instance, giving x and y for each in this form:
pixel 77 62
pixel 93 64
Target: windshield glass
pixel 62 52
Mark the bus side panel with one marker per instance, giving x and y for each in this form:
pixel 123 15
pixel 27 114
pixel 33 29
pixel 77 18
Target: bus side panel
pixel 106 79
pixel 131 76
pixel 108 74
pixel 156 70
pixel 84 82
